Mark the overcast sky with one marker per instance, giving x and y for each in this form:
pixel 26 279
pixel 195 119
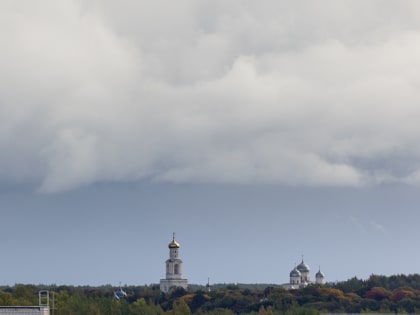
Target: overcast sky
pixel 257 131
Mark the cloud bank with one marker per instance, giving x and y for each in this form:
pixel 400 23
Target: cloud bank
pixel 298 93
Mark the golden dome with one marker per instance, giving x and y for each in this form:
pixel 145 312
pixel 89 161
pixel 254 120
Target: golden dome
pixel 173 244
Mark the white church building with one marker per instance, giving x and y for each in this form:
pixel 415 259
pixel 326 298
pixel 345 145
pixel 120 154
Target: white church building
pixel 173 277
pixel 300 277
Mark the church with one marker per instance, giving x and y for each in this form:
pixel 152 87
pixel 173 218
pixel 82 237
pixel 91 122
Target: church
pixel 300 277
pixel 173 277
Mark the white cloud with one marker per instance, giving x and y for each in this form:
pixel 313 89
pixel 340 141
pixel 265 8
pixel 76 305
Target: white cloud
pixel 364 225
pixel 377 226
pixel 291 93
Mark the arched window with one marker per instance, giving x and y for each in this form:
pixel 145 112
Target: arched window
pixel 176 269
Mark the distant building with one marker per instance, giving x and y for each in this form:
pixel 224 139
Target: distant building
pixel 42 309
pixel 300 277
pixel 173 270
pixel 24 310
pixel 319 277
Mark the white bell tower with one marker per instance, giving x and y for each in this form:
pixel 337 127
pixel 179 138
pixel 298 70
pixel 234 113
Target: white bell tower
pixel 173 277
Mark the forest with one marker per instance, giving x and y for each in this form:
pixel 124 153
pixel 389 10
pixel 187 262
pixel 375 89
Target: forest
pixel 397 294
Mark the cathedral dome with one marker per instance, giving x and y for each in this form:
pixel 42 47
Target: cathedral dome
pixel 295 273
pixel 302 267
pixel 320 274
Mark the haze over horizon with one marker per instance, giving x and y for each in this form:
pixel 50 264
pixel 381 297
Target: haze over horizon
pixel 257 132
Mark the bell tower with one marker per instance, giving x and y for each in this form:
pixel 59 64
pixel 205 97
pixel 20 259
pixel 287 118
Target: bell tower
pixel 173 277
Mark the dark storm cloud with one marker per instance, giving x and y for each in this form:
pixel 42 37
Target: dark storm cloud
pixel 298 93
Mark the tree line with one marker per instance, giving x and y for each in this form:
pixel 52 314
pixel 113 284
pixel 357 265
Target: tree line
pixel 398 294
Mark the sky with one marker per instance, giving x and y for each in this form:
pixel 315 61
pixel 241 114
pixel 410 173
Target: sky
pixel 258 132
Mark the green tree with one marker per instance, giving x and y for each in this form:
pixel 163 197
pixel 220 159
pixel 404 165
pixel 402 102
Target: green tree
pixel 180 308
pixel 219 311
pixel 115 308
pixel 301 311
pixel 141 307
pixel 25 295
pixel 408 305
pixel 62 303
pixel 281 299
pixel 6 299
pixel 198 300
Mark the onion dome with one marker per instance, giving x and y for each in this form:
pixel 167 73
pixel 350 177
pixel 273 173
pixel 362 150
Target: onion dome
pixel 295 273
pixel 320 274
pixel 302 267
pixel 173 244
